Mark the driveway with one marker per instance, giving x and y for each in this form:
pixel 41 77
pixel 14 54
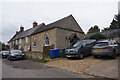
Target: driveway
pixel 30 69
pixel 108 68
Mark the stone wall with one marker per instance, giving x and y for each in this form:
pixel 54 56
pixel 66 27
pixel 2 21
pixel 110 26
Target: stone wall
pixel 62 37
pixel 34 54
pixel 40 39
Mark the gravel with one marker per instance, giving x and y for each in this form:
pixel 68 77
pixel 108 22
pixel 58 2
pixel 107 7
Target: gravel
pixel 74 65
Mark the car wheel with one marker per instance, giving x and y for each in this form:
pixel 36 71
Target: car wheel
pixel 81 56
pixel 114 54
pixel 95 56
pixel 8 58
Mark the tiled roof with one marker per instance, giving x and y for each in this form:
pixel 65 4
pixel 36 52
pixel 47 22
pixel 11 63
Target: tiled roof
pixel 27 32
pixel 109 33
pixel 62 23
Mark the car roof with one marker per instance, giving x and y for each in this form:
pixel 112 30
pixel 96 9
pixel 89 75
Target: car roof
pixel 106 40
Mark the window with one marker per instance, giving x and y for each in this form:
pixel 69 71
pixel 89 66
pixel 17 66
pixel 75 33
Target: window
pixel 20 41
pixel 46 40
pixel 16 41
pixel 19 47
pixel 34 42
pixel 25 48
pixel 26 39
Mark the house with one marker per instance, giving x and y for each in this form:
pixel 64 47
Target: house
pixel 56 34
pixel 22 39
pixel 114 33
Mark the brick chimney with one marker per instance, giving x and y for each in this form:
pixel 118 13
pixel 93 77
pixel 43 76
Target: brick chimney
pixel 21 28
pixel 35 24
pixel 17 32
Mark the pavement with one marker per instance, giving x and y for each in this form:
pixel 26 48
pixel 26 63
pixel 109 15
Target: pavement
pixel 108 68
pixel 30 69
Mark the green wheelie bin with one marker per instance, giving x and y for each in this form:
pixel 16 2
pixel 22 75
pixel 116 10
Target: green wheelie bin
pixel 62 53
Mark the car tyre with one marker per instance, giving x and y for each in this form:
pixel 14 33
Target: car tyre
pixel 81 56
pixel 114 54
pixel 95 56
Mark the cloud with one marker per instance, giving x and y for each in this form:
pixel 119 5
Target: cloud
pixel 87 14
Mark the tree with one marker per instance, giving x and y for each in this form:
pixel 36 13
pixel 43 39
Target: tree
pixel 93 29
pixel 97 36
pixel 113 24
pixel 117 18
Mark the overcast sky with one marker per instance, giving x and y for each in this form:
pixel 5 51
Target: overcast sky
pixel 86 12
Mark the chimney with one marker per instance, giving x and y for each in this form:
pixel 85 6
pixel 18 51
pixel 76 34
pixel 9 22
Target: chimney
pixel 21 28
pixel 17 32
pixel 35 24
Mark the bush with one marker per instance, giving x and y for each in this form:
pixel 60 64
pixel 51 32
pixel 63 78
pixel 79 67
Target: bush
pixel 97 36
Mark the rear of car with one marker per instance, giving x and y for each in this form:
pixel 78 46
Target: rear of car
pixel 105 48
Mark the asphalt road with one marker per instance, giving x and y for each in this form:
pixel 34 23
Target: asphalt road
pixel 30 69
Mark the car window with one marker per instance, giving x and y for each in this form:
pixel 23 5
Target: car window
pixel 101 44
pixel 15 51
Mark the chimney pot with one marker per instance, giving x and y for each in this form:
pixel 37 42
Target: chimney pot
pixel 35 24
pixel 21 28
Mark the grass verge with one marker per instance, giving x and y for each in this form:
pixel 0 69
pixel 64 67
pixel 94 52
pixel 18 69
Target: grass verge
pixel 36 59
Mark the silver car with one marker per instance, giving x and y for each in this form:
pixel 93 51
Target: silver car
pixel 15 54
pixel 106 48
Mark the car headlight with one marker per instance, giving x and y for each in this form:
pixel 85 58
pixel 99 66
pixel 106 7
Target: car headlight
pixel 23 54
pixel 76 50
pixel 12 55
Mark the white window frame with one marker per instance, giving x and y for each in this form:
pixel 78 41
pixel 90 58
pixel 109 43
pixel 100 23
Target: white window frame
pixel 20 40
pixel 26 39
pixel 16 41
pixel 45 39
pixel 33 42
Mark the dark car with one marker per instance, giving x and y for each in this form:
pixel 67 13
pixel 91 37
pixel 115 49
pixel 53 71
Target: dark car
pixel 4 54
pixel 15 54
pixel 106 48
pixel 80 49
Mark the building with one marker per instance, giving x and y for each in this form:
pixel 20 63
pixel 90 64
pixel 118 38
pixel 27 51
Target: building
pixel 55 34
pixel 114 33
pixel 22 39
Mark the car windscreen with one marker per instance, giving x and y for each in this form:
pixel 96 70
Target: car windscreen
pixel 101 44
pixel 80 43
pixel 16 51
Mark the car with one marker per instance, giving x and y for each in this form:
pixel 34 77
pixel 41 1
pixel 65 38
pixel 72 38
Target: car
pixel 4 54
pixel 15 54
pixel 80 49
pixel 106 48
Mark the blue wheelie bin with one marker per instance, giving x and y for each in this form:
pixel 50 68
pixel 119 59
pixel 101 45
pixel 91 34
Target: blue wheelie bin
pixel 57 53
pixel 52 53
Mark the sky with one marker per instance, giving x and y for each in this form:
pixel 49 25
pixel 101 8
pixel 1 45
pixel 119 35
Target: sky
pixel 87 13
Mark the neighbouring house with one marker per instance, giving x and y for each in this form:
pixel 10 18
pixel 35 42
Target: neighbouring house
pixel 57 35
pixel 22 39
pixel 115 34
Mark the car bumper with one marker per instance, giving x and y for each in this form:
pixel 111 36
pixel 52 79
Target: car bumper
pixel 101 53
pixel 17 57
pixel 73 54
pixel 4 56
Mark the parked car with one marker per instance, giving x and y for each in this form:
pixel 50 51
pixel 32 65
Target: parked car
pixel 106 48
pixel 15 54
pixel 80 49
pixel 4 54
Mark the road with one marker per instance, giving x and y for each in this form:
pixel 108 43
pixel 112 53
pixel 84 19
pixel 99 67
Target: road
pixel 30 69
